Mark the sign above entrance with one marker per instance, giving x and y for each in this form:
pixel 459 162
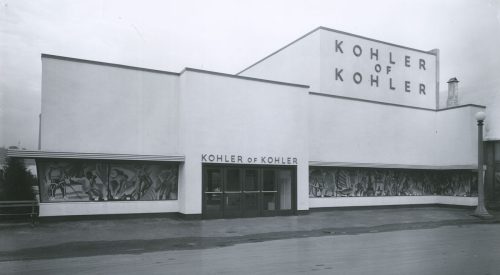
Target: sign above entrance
pixel 239 159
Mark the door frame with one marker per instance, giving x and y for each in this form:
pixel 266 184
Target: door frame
pixel 203 202
pixel 260 169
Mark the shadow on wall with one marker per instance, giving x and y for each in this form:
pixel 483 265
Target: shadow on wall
pixel 369 182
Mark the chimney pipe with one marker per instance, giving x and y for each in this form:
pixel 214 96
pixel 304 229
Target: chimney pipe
pixel 452 92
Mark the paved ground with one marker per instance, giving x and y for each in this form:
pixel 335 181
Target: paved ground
pixel 391 241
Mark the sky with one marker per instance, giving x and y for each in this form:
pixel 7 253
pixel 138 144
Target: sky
pixel 227 36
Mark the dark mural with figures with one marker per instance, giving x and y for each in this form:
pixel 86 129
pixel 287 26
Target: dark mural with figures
pixel 92 180
pixel 368 182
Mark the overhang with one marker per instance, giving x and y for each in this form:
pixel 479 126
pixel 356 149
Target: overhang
pixel 393 166
pixel 103 156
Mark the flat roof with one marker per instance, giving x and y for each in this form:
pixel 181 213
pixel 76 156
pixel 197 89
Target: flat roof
pixel 336 31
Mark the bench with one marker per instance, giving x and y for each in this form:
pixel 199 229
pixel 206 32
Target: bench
pixel 14 209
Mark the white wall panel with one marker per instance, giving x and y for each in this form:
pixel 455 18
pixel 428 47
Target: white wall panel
pixel 98 108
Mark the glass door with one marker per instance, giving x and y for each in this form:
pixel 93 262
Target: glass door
pixel 269 192
pixel 213 207
pixel 232 193
pixel 251 191
pixel 285 189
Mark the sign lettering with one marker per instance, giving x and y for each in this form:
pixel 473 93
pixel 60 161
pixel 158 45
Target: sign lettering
pixel 239 159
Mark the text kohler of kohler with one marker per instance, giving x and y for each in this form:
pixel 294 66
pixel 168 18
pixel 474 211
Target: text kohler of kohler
pixel 221 158
pixel 379 69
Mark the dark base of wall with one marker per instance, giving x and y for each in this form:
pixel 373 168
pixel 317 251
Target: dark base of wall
pixel 320 209
pixel 182 216
pixel 15 218
pixel 189 217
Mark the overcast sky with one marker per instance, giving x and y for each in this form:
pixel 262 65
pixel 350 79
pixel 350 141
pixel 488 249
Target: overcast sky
pixel 227 36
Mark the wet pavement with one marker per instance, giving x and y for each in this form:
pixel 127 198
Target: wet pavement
pixel 456 249
pixel 52 240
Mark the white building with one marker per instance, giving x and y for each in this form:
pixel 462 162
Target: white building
pixel 330 120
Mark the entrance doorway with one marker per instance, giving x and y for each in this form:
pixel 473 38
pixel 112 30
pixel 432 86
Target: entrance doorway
pixel 233 191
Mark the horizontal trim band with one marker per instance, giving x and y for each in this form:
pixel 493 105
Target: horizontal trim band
pixel 104 156
pixel 460 106
pixel 65 58
pixel 244 77
pixel 72 59
pixel 394 166
pixel 108 202
pixel 338 202
pixel 394 104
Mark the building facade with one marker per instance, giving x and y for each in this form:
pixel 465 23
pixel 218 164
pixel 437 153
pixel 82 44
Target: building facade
pixel 331 120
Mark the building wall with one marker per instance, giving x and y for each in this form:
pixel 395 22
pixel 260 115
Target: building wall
pixel 492 125
pixel 96 208
pixel 231 116
pixel 94 108
pixel 360 132
pixel 353 131
pixel 90 107
pixel 457 136
pixel 298 63
pixel 314 60
pixel 350 133
pixel 400 200
pixel 347 127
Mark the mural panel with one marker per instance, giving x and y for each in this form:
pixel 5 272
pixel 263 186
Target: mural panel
pixel 72 180
pixel 369 182
pixel 92 180
pixel 142 182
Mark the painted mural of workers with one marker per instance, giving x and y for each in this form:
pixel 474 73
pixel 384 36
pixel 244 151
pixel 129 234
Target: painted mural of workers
pixel 378 183
pixel 144 182
pixel 370 191
pixel 390 181
pixel 414 186
pixel 361 187
pixel 404 186
pixel 381 182
pixel 166 180
pixel 90 186
pixel 92 190
pixel 56 180
pixel 329 184
pixel 448 187
pixel 343 187
pixel 314 183
pixel 117 184
pixel 427 188
pixel 323 184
